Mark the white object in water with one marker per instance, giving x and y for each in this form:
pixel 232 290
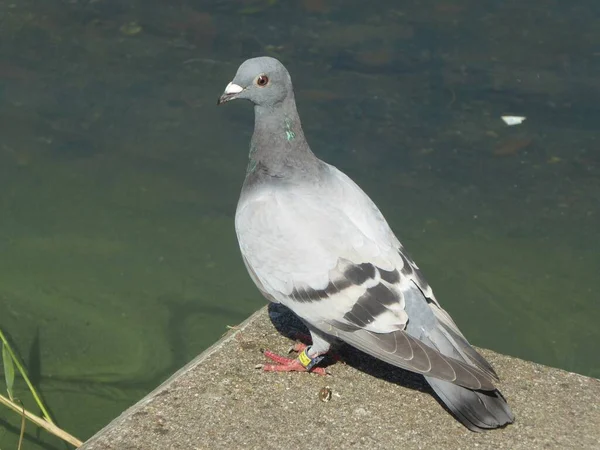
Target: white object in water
pixel 513 120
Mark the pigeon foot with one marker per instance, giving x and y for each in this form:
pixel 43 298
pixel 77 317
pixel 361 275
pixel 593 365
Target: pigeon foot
pixel 292 364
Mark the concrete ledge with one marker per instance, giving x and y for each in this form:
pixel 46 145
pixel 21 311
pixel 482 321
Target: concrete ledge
pixel 220 400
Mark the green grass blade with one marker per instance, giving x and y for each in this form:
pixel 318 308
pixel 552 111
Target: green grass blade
pixel 9 371
pixel 23 373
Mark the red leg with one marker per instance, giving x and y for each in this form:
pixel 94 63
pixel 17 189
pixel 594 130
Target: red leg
pixel 299 346
pixel 278 359
pixel 288 364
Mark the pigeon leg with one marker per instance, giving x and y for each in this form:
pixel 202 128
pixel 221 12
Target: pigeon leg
pixel 299 346
pixel 288 365
pixel 308 358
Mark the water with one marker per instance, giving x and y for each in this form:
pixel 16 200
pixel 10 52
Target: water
pixel 120 176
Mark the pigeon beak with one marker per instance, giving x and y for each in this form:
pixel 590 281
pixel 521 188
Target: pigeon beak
pixel 231 92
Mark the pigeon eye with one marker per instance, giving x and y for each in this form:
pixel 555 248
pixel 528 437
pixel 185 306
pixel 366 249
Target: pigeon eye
pixel 262 80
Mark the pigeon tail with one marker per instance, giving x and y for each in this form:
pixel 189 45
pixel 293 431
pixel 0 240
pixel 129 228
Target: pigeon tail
pixel 476 410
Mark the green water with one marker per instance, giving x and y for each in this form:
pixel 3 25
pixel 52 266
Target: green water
pixel 120 176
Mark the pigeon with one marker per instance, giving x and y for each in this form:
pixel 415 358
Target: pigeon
pixel 313 241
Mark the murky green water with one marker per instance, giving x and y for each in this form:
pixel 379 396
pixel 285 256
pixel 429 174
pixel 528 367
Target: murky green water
pixel 120 176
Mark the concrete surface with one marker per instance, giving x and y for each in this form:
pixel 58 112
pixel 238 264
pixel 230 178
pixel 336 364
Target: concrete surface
pixel 220 400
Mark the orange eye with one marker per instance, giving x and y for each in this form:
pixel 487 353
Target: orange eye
pixel 262 80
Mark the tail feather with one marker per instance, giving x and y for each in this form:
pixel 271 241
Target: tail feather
pixel 467 352
pixel 477 410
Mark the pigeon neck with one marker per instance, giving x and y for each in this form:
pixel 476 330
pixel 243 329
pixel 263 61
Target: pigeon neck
pixel 278 142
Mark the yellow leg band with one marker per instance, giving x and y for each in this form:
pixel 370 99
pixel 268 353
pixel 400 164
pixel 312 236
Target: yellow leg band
pixel 307 362
pixel 304 359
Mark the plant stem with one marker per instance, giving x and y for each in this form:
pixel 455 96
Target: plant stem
pixel 50 427
pixel 23 422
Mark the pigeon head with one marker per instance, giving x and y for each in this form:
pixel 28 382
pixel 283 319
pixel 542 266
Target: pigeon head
pixel 264 81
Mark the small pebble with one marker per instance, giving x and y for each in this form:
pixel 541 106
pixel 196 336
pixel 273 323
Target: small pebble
pixel 325 394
